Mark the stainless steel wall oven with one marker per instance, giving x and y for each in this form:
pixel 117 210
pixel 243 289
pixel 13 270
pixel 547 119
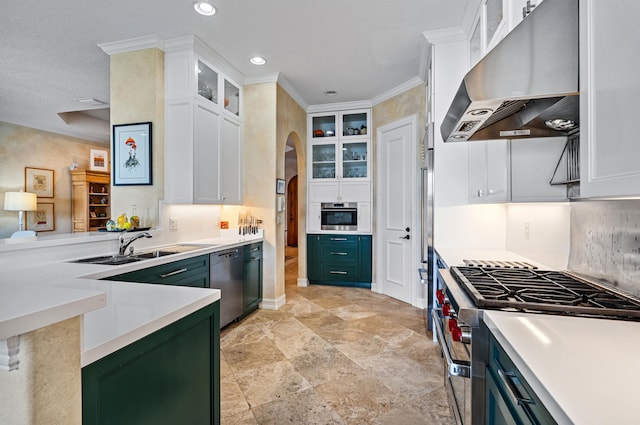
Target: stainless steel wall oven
pixel 339 216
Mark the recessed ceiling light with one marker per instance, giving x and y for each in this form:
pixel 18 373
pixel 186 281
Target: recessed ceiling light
pixel 331 92
pixel 204 8
pixel 257 60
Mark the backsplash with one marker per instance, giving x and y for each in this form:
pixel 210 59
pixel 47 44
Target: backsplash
pixel 605 242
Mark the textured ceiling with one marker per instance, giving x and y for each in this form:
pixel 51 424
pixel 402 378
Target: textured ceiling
pixel 360 48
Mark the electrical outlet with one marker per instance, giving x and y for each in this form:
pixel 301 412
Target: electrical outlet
pixel 527 229
pixel 173 223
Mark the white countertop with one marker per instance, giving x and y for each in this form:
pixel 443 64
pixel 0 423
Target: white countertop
pixel 585 371
pixel 115 313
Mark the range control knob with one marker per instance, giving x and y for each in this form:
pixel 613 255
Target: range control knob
pixel 440 296
pixel 446 310
pixel 453 323
pixel 456 334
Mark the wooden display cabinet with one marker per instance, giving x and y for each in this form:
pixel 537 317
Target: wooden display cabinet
pixel 91 201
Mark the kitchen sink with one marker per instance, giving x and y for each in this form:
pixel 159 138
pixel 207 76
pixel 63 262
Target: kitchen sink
pixel 109 260
pixel 116 260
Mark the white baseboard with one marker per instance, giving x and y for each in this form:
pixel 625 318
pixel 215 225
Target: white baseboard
pixel 273 304
pixel 303 282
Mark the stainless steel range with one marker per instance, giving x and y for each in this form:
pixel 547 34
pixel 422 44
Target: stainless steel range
pixel 468 291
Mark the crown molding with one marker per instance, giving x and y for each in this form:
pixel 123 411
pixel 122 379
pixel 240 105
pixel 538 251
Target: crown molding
pixel 264 78
pixel 291 91
pixel 132 45
pixel 408 85
pixel 341 106
pixel 445 35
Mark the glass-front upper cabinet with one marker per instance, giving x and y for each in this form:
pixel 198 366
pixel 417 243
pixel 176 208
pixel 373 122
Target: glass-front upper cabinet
pixel 231 97
pixel 323 161
pixel 494 17
pixel 207 82
pixel 354 160
pixel 475 45
pixel 354 123
pixel 323 126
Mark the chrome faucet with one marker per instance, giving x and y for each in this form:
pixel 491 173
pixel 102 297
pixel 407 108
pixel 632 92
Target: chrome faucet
pixel 124 244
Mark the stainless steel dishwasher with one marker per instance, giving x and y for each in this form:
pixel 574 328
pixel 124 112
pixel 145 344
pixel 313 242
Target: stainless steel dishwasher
pixel 226 275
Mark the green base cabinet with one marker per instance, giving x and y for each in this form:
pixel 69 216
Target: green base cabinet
pixel 188 272
pixel 171 376
pixel 337 259
pixel 509 398
pixel 252 279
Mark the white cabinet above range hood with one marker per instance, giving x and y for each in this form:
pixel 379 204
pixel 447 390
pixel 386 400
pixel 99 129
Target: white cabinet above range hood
pixel 527 86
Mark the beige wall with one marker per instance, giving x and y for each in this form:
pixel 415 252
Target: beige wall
pixel 270 117
pixel 259 175
pixel 47 387
pixel 292 124
pixel 22 147
pixel 137 95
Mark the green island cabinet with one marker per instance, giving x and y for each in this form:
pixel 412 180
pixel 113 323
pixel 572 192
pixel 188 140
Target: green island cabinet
pixel 171 376
pixel 188 272
pixel 252 278
pixel 509 398
pixel 338 259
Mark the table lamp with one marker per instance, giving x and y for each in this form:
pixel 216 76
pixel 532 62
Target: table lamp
pixel 20 201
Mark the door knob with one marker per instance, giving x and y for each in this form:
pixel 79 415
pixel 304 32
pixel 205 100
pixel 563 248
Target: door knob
pixel 407 237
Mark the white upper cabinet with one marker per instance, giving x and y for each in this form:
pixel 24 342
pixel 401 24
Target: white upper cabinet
pixel 494 20
pixel 488 171
pixel 609 93
pixel 203 130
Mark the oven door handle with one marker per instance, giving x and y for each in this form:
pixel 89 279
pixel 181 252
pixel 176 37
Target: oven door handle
pixel 454 369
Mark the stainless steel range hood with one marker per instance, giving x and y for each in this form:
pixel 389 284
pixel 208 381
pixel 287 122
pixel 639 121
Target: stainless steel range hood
pixel 529 79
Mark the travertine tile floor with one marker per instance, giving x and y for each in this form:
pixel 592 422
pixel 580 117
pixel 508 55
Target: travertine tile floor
pixel 332 355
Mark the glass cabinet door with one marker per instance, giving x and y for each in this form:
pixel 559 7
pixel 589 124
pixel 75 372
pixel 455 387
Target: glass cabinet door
pixel 354 124
pixel 231 98
pixel 354 160
pixel 207 82
pixel 494 18
pixel 323 160
pixel 324 126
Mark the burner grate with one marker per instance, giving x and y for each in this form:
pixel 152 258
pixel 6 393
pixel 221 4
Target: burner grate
pixel 539 290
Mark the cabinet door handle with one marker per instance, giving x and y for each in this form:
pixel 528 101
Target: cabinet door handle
pixel 173 273
pixel 337 272
pixel 254 249
pixel 338 253
pixel 338 239
pixel 516 398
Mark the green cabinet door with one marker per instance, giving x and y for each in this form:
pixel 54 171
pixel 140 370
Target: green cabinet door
pixel 510 399
pixel 188 272
pixel 171 376
pixel 338 259
pixel 252 277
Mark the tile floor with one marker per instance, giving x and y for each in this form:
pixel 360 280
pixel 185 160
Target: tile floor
pixel 332 355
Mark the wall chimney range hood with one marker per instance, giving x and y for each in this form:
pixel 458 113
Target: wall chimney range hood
pixel 527 86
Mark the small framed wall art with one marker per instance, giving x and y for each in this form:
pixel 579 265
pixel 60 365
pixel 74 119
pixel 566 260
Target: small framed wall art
pixel 38 181
pixel 98 161
pixel 41 220
pixel 131 154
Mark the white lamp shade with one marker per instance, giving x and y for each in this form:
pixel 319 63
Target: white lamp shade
pixel 20 201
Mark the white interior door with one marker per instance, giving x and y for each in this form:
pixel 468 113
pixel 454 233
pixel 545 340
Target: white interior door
pixel 396 204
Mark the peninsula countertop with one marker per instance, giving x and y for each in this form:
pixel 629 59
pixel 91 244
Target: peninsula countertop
pixel 115 313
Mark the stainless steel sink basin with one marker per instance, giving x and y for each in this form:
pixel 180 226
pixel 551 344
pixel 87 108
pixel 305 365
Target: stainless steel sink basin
pixel 154 254
pixel 116 260
pixel 109 260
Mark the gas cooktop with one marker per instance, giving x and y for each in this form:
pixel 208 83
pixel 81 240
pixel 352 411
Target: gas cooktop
pixel 544 291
